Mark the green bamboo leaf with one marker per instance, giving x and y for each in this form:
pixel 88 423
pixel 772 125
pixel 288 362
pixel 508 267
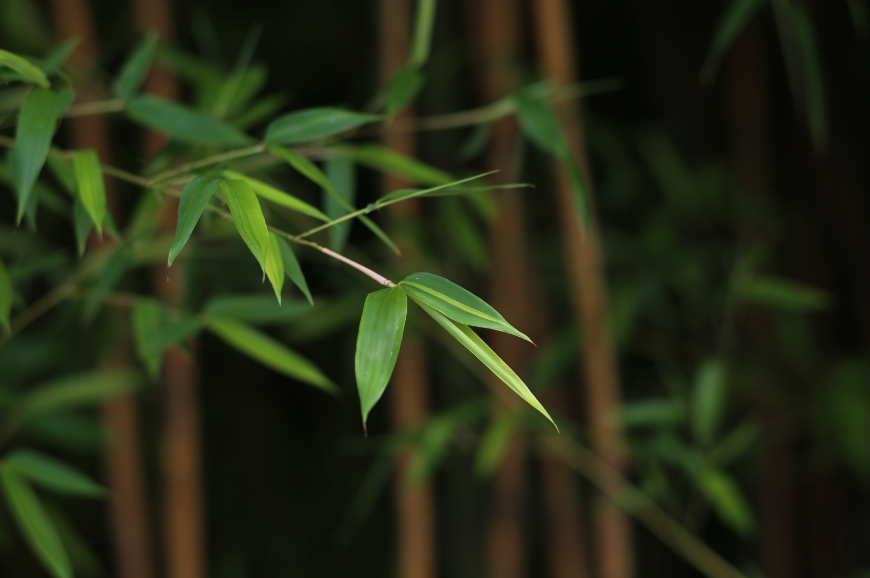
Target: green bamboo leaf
pixel 24 68
pixel 496 439
pixel 6 295
pixel 193 199
pixel 184 124
pixel 52 474
pixel 445 190
pixel 340 172
pixel 726 499
pixel 31 519
pixel 814 85
pixel 731 24
pixel 32 141
pixel 467 337
pixel 269 352
pixel 378 343
pixel 656 412
pixel 257 308
pixel 147 318
pixel 275 266
pixel 58 57
pixel 781 293
pixel 136 67
pixel 293 270
pixel 403 88
pixel 456 303
pixel 394 163
pixel 92 189
pixel 277 196
pixel 81 226
pixel 539 124
pixel 708 400
pixel 315 123
pixel 423 25
pixel 248 217
pixel 82 389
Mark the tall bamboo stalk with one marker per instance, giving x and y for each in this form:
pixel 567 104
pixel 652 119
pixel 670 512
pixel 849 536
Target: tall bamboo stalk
pixel 123 460
pixel 409 393
pixel 556 56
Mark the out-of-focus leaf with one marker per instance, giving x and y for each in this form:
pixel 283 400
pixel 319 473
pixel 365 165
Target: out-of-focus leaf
pixel 293 270
pixel 424 22
pixel 147 317
pixel 33 522
pixel 248 217
pixel 69 431
pixel 727 500
pixel 445 190
pixel 32 141
pixel 275 266
pixel 539 124
pixel 651 412
pixel 377 345
pixel 58 57
pixel 847 413
pixel 708 400
pixel 340 172
pixel 257 309
pixel 193 199
pixel 136 67
pixel 391 162
pixel 277 196
pixel 456 303
pixel 403 89
pixel 260 111
pixel 731 24
pixel 493 444
pixel 24 68
pixel 82 389
pixel 484 353
pixel 92 189
pixel 269 352
pixel 52 474
pixel 781 293
pixel 315 123
pixel 81 226
pixel 184 124
pixel 735 444
pixel 6 293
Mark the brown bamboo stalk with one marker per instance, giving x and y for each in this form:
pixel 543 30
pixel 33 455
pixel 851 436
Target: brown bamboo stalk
pixel 123 460
pixel 409 392
pixel 556 50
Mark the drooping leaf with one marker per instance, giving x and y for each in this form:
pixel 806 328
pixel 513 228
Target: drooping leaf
pixel 147 316
pixel 6 294
pixel 726 499
pixel 269 352
pixel 32 141
pixel 708 400
pixel 248 217
pixel 24 68
pixel 92 189
pixel 340 171
pixel 394 163
pixel 277 196
pixel 539 123
pixel 403 89
pixel 731 24
pixel 456 303
pixel 377 344
pixel 314 123
pixel 82 389
pixel 136 67
pixel 184 124
pixel 31 519
pixel 193 199
pixel 424 23
pixel 293 270
pixel 258 308
pixel 275 266
pixel 467 337
pixel 52 474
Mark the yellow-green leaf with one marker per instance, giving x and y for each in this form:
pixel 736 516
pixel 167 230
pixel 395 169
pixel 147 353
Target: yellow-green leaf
pixel 92 189
pixel 24 68
pixel 193 199
pixel 275 266
pixel 248 217
pixel 277 196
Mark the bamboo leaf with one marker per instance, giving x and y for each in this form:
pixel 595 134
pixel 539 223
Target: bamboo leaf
pixel 81 226
pixel 248 217
pixel 539 123
pixel 378 343
pixel 726 499
pixel 781 293
pixel 275 266
pixel 193 199
pixel 6 295
pixel 277 196
pixel 394 163
pixel 403 88
pixel 24 68
pixel 293 270
pixel 32 141
pixel 731 24
pixel 314 123
pixel 52 474
pixel 257 308
pixel 92 189
pixel 340 172
pixel 184 124
pixel 456 303
pixel 493 444
pixel 147 318
pixel 31 519
pixel 58 57
pixel 423 25
pixel 269 352
pixel 467 337
pixel 82 389
pixel 136 67
pixel 708 400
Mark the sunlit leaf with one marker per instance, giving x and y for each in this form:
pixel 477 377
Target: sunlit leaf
pixel 24 68
pixel 726 499
pixel 484 353
pixel 394 163
pixel 32 141
pixel 732 23
pixel 293 270
pixel 403 89
pixel 193 199
pixel 708 400
pixel 79 390
pixel 315 123
pixel 377 344
pixel 248 217
pixel 184 124
pixel 6 294
pixel 269 352
pixel 136 67
pixel 51 474
pixel 40 533
pixel 455 302
pixel 92 188
pixel 275 266
pixel 340 172
pixel 277 196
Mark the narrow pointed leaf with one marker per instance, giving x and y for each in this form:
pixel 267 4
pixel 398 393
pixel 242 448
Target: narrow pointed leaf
pixel 708 400
pixel 539 123
pixel 248 217
pixel 58 57
pixel 269 352
pixel 147 317
pixel 732 23
pixel 277 196
pixel 424 23
pixel 340 171
pixel 394 163
pixel 76 391
pixel 451 188
pixel 315 123
pixel 293 270
pixel 52 474
pixel 32 141
pixel 6 294
pixel 477 346
pixel 81 226
pixel 193 199
pixel 92 188
pixel 184 124
pixel 275 266
pixel 136 67
pixel 726 499
pixel 378 342
pixel 24 68
pixel 456 303
pixel 35 525
pixel 403 89
pixel 257 309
